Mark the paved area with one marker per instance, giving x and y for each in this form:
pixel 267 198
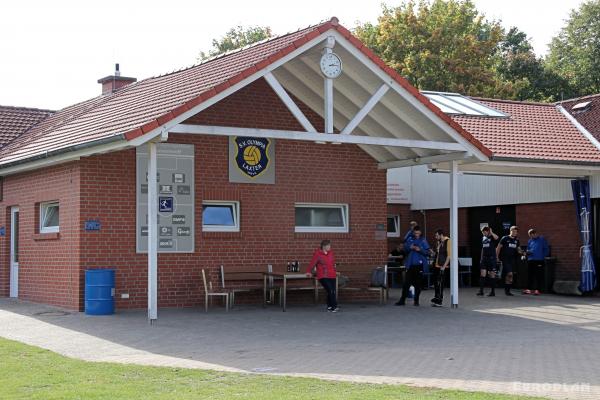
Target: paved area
pixel 545 346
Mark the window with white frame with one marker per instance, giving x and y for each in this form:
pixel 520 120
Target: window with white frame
pixel 393 226
pixel 49 217
pixel 317 217
pixel 220 216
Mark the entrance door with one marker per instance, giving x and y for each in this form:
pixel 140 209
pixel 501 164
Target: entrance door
pixel 14 252
pixel 499 218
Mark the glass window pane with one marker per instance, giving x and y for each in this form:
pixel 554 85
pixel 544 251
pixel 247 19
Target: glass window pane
pixel 391 225
pixel 218 215
pixel 51 218
pixel 320 216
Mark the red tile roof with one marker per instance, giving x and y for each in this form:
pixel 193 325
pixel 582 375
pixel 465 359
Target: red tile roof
pixel 14 121
pixel 590 118
pixel 140 107
pixel 533 131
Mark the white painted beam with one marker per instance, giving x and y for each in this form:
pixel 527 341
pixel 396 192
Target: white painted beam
pixel 454 233
pixel 289 103
pixel 460 155
pixel 308 136
pixel 362 113
pixel 152 233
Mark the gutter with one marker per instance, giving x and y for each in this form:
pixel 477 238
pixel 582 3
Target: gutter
pixel 64 150
pixel 542 161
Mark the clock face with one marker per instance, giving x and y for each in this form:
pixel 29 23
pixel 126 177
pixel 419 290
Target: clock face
pixel 331 65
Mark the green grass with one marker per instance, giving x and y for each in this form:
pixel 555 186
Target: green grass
pixel 28 372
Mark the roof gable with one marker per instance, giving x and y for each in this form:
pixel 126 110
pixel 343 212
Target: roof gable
pixel 15 121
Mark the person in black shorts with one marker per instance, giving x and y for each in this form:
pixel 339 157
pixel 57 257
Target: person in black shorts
pixel 488 265
pixel 508 251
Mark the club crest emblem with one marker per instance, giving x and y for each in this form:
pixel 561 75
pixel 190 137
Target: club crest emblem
pixel 251 157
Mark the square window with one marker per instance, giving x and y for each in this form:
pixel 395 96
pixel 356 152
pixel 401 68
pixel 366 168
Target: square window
pixel 49 217
pixel 321 217
pixel 393 226
pixel 220 216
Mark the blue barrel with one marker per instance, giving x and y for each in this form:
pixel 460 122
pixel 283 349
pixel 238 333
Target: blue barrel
pixel 100 291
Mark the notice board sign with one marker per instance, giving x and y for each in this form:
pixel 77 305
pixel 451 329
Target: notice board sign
pixel 175 187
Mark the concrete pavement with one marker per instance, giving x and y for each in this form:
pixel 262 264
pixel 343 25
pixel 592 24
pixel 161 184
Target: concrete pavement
pixel 545 346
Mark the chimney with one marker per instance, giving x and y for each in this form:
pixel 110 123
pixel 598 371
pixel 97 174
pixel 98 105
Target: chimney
pixel 112 83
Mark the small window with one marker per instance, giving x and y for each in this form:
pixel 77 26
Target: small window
pixel 49 217
pixel 322 218
pixel 393 226
pixel 220 216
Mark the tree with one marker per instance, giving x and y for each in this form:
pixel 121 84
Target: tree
pixel 575 52
pixel 440 45
pixel 236 38
pixel 531 79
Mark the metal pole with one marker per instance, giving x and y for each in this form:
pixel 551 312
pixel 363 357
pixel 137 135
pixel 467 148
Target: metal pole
pixel 454 233
pixel 152 233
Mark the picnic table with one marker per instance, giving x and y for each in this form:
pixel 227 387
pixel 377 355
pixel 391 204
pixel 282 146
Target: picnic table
pixel 285 277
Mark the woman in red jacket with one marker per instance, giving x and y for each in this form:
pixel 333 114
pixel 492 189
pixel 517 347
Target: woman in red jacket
pixel 324 261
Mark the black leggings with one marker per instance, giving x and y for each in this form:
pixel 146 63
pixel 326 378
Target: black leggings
pixel 413 277
pixel 329 285
pixel 535 274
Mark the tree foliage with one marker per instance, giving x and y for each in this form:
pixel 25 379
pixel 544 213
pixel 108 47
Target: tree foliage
pixel 440 45
pixel 575 52
pixel 236 38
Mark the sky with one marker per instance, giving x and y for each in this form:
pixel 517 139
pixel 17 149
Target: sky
pixel 53 52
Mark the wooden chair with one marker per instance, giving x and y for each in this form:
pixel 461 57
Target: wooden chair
pixel 209 293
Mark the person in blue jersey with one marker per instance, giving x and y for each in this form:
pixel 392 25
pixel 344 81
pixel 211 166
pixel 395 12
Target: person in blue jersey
pixel 417 249
pixel 410 233
pixel 508 251
pixel 488 265
pixel 537 251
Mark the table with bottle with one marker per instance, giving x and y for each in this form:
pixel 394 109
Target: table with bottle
pixel 292 273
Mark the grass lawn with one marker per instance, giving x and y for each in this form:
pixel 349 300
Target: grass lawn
pixel 28 372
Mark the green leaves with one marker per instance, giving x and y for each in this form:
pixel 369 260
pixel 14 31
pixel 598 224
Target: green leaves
pixel 236 38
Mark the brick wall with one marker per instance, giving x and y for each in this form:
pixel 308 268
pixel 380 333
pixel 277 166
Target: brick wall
pixel 48 263
pixel 558 224
pixel 306 172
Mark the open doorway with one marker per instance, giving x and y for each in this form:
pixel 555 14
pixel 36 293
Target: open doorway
pixel 499 218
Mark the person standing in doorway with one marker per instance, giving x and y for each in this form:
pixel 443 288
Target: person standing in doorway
pixel 508 251
pixel 537 251
pixel 488 264
pixel 418 250
pixel 442 261
pixel 323 261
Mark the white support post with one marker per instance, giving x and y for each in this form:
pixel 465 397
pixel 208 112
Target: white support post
pixel 152 233
pixel 289 103
pixel 328 105
pixel 454 233
pixel 362 113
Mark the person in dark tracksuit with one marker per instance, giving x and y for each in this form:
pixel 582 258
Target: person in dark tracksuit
pixel 410 233
pixel 323 261
pixel 488 264
pixel 508 251
pixel 537 251
pixel 418 250
pixel 442 261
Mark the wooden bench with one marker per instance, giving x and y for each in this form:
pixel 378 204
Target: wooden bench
pixel 240 280
pixel 360 281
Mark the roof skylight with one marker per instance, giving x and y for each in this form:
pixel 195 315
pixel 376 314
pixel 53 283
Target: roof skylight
pixel 454 103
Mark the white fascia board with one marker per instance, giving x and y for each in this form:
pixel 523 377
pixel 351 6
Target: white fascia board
pixel 443 125
pixel 579 127
pixel 165 128
pixel 525 169
pixel 65 157
pixel 316 137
